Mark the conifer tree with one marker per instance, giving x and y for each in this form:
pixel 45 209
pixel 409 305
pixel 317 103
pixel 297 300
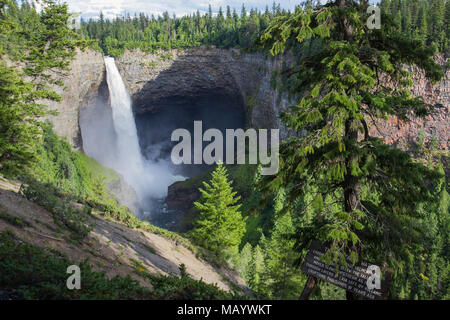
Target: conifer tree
pixel 18 126
pixel 256 269
pixel 52 46
pixel 422 25
pixel 243 262
pixel 243 12
pixel 47 44
pixel 281 279
pixel 342 86
pixel 151 33
pixel 427 273
pixel 220 226
pixel 447 25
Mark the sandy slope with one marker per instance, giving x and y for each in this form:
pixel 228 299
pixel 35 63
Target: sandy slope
pixel 111 247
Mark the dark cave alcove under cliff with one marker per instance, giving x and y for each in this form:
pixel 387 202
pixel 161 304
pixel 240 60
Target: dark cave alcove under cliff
pixel 214 109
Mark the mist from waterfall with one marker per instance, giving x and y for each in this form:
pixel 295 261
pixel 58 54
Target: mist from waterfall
pixel 110 136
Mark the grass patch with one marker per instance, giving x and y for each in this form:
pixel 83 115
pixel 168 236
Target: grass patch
pixel 63 212
pixel 164 56
pixel 100 171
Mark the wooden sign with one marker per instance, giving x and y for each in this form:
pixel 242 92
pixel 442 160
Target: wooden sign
pixel 364 278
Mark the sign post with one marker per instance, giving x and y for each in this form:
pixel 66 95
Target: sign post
pixel 364 279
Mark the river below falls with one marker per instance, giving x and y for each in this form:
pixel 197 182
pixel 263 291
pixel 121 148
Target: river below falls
pixel 158 214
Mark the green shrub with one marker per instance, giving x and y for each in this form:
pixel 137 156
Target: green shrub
pixel 186 288
pixel 61 207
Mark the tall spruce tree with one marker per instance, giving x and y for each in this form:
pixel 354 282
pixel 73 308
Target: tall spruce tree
pixel 220 226
pixel 18 125
pixel 256 269
pixel 358 75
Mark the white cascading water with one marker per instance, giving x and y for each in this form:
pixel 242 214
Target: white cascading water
pixel 149 180
pixel 129 161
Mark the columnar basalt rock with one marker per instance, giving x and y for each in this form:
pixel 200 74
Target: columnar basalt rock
pixel 187 74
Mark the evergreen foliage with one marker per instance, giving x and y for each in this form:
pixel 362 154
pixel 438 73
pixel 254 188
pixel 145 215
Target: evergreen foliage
pixel 281 279
pixel 220 226
pixel 336 183
pixel 341 87
pixel 18 125
pixel 43 45
pixel 152 33
pixel 424 20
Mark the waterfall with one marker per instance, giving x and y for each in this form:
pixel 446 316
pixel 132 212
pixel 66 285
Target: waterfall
pixel 149 179
pixel 128 160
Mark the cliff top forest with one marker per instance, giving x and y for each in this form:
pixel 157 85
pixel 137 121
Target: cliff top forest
pixel 422 20
pixel 362 198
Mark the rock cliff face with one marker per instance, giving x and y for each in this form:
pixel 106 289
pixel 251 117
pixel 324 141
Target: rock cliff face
pixel 83 80
pixel 184 76
pixel 434 126
pixel 83 91
pixel 181 198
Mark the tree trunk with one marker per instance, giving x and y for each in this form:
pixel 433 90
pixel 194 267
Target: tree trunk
pixel 309 286
pixel 351 183
pixel 350 296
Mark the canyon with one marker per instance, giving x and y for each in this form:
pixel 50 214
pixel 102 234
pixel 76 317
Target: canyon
pixel 225 88
pixel 184 77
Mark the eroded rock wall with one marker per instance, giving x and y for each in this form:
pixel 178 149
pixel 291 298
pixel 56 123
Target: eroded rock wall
pixel 185 74
pixel 434 126
pixel 84 78
pixel 84 88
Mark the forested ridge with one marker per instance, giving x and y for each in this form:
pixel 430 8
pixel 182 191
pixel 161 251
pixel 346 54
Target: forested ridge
pixel 425 20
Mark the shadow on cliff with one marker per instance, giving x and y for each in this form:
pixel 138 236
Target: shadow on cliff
pixel 189 90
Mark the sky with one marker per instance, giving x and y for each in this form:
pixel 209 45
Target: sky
pixel 114 8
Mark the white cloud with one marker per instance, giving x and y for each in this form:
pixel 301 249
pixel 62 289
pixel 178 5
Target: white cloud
pixel 112 8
